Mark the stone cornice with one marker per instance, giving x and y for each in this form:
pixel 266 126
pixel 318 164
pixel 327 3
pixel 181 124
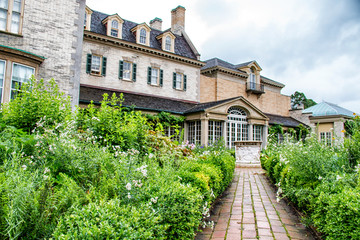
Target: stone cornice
pixel 224 70
pixel 25 54
pixel 99 38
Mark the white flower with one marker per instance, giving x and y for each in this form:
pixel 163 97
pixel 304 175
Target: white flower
pixel 320 177
pixel 151 155
pixel 46 177
pixel 128 196
pixel 154 200
pixel 46 170
pixel 24 167
pixel 338 177
pixel 278 199
pixel 128 186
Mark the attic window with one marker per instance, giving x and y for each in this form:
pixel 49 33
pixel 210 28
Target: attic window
pixel 168 43
pixel 143 36
pixel 114 28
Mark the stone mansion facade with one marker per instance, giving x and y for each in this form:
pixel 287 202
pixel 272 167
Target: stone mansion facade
pixel 90 53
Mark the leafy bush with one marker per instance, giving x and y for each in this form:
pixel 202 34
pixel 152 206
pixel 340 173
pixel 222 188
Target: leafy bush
pixel 36 101
pixel 322 181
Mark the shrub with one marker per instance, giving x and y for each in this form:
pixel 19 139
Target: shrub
pixel 36 101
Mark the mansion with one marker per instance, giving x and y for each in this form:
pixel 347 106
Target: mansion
pixel 90 53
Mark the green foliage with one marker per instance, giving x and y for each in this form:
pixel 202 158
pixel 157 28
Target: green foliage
pixel 320 180
pixel 352 144
pixel 100 173
pixel 299 98
pixel 37 103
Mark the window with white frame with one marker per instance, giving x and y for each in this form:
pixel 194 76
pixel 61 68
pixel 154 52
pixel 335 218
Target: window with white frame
pixel 168 43
pixel 95 63
pixel 326 138
pixel 257 132
pixel 85 19
pixel 179 81
pixel 127 71
pixel 10 15
pixel 194 132
pixel 143 36
pixel 237 126
pixel 20 74
pixel 215 131
pixel 114 28
pixel 2 78
pixel 154 76
pixel 174 132
pixel 252 79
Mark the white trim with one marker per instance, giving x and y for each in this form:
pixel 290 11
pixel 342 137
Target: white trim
pixel 2 87
pixel 12 72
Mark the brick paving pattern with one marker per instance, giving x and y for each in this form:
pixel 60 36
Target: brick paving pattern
pixel 249 210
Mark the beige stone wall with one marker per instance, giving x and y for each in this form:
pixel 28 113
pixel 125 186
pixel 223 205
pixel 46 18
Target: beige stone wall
pixel 143 61
pixel 272 101
pixel 325 127
pixel 207 89
pixel 53 29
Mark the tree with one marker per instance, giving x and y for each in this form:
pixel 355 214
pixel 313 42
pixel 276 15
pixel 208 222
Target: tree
pixel 299 98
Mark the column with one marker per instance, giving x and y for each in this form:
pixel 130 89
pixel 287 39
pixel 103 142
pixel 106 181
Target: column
pixel 264 136
pixel 250 129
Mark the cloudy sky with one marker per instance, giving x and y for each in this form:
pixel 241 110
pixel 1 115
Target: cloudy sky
pixel 311 46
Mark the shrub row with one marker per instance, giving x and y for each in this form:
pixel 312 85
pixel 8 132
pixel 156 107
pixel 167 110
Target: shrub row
pixel 321 181
pixel 100 173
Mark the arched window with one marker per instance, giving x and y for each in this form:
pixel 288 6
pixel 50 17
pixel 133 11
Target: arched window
pixel 114 28
pixel 252 78
pixel 168 43
pixel 143 36
pixel 237 126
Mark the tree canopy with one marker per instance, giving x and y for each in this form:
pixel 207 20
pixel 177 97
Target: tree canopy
pixel 299 98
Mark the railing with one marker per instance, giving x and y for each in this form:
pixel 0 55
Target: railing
pixel 254 87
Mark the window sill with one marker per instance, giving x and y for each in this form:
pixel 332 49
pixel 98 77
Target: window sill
pixel 154 85
pixel 10 33
pixel 179 89
pixel 96 74
pixel 127 80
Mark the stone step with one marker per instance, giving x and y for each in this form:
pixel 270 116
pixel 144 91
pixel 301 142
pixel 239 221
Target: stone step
pixel 249 164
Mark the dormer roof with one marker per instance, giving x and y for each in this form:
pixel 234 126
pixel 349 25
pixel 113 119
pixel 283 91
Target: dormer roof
pixel 248 65
pixel 181 48
pixel 144 25
pixel 112 17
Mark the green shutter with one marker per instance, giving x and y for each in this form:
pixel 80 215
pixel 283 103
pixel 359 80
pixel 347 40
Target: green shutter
pixel 174 80
pixel 134 72
pixel 161 77
pixel 184 82
pixel 121 69
pixel 88 63
pixel 149 75
pixel 103 72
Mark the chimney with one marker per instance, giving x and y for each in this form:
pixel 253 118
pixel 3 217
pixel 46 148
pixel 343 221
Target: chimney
pixel 178 20
pixel 156 23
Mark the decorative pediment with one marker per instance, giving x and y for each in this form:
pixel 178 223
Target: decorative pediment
pixel 113 25
pixel 167 39
pixel 248 65
pixel 253 113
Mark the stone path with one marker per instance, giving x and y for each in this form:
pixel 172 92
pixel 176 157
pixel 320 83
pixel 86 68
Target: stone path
pixel 249 210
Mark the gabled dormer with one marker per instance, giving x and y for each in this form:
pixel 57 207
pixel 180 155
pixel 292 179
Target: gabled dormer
pixel 253 84
pixel 142 33
pixel 87 19
pixel 167 40
pixel 113 25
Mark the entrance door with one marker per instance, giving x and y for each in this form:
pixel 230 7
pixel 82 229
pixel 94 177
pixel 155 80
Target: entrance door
pixel 237 127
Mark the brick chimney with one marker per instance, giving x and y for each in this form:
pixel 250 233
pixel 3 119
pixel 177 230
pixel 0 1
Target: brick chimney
pixel 178 19
pixel 156 23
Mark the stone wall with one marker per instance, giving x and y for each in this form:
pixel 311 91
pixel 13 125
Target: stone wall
pixel 143 61
pixel 226 86
pixel 53 29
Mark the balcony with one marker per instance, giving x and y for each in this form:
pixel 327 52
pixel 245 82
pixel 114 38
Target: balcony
pixel 255 88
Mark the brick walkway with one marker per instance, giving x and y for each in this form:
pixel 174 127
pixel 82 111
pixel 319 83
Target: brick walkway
pixel 249 210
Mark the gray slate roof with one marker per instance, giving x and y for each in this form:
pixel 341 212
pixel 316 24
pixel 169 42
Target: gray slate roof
pixel 203 106
pixel 282 120
pixel 182 48
pixel 138 101
pixel 214 62
pixel 328 109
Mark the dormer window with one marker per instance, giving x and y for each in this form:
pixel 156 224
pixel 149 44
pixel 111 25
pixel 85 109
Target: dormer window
pixel 167 43
pixel 167 40
pixel 114 28
pixel 113 25
pixel 143 36
pixel 87 19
